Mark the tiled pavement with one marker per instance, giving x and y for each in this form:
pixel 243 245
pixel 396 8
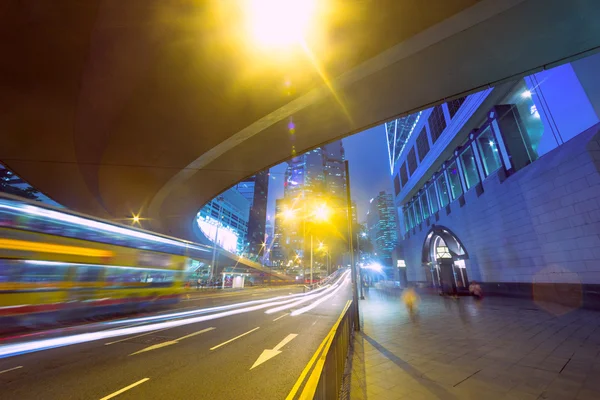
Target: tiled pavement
pixel 498 348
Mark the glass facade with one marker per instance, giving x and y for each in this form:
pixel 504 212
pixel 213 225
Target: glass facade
pixel 454 181
pixel 418 214
pixel 530 118
pixel 530 124
pixel 442 187
pixel 488 151
pixel 433 202
pixel 425 206
pixel 469 168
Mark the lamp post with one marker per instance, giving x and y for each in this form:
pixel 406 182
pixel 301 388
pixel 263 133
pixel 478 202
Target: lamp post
pixel 311 259
pixel 352 261
pixel 362 293
pixel 214 255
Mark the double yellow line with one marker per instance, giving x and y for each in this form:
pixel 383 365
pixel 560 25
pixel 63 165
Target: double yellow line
pixel 319 359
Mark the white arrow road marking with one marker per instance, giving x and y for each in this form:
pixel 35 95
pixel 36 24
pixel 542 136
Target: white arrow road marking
pixel 170 342
pixel 267 354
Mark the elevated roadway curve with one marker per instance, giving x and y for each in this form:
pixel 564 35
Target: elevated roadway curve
pixel 118 107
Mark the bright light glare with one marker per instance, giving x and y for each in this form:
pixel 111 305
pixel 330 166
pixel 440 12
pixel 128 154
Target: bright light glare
pixel 374 267
pixel 526 94
pixel 277 23
pixel 288 213
pixel 322 212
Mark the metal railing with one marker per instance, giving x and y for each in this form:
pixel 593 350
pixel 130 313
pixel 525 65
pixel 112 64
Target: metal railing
pixel 325 379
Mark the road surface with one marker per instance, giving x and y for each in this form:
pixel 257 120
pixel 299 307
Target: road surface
pixel 205 354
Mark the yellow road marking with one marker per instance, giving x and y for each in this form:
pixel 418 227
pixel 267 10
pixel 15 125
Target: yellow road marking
pixel 313 359
pixel 235 338
pixel 126 388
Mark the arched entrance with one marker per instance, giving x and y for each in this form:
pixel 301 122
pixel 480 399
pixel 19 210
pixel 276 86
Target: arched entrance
pixel 444 256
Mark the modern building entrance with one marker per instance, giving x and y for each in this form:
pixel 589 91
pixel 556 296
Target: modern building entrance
pixel 444 256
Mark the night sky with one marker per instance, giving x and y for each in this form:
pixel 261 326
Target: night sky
pixel 367 155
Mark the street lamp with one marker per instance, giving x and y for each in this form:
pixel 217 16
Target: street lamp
pixel 362 234
pixel 320 213
pixel 214 255
pixel 326 250
pixel 279 23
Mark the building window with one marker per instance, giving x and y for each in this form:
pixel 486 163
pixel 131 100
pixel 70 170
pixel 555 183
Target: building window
pixel 454 105
pixel 397 185
pixel 469 167
pixel 425 206
pixel 418 215
pixel 437 123
pixel 422 144
pixel 403 175
pixel 454 181
pixel 442 187
pixel 412 161
pixel 531 126
pixel 488 149
pixel 433 201
pixel 406 220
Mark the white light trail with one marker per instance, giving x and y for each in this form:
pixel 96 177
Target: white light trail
pixel 15 349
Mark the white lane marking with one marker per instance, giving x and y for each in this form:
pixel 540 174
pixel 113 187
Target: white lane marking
pixel 126 388
pixel 235 338
pixel 170 342
pixel 137 336
pixel 267 354
pixel 281 316
pixel 11 369
pixel 196 333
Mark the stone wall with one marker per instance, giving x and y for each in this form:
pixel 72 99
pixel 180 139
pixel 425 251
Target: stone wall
pixel 540 225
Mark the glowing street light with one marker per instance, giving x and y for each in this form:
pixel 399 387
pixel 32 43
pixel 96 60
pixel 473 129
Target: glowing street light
pixel 279 23
pixel 322 212
pixel 288 214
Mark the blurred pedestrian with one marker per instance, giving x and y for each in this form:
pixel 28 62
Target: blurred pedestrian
pixel 475 290
pixel 411 300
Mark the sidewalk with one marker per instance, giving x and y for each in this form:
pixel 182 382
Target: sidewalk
pixel 499 348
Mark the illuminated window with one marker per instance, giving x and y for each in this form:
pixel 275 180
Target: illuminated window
pixel 425 206
pixel 454 181
pixel 442 187
pixel 469 168
pixel 433 202
pixel 488 149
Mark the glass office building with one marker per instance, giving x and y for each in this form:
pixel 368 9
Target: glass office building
pixel 502 186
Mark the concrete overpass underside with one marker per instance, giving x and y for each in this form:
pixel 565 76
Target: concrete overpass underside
pixel 154 107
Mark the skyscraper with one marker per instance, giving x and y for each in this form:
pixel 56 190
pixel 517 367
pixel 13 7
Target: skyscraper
pixel 335 170
pixel 317 174
pixel 258 213
pixel 382 223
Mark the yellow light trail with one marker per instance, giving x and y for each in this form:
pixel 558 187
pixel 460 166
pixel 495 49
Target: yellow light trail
pixel 11 244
